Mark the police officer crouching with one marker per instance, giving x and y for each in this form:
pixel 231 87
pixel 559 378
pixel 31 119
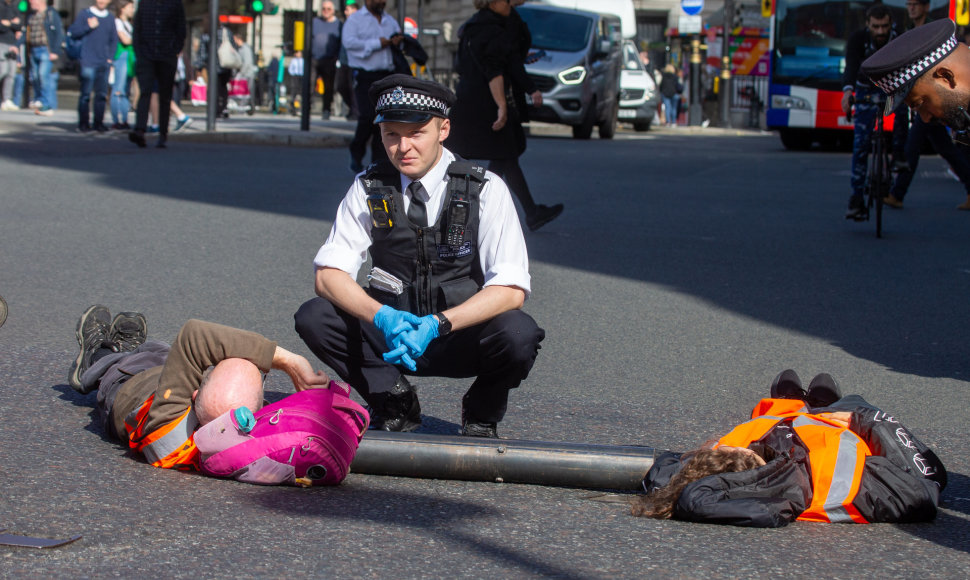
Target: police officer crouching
pixel 450 272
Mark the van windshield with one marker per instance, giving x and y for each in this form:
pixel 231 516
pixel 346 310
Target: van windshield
pixel 558 30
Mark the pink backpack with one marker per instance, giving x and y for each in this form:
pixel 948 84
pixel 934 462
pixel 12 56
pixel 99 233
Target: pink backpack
pixel 308 438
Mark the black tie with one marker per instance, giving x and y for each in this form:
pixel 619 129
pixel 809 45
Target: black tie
pixel 417 211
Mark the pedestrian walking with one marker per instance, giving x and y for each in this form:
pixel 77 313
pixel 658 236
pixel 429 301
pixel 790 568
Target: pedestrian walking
pixel 368 36
pixel 94 27
pixel 345 75
pixel 123 65
pixel 10 25
pixel 159 36
pixel 45 37
pixel 326 51
pixel 487 119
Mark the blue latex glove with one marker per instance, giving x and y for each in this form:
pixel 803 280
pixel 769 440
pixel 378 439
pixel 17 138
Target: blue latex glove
pixel 393 323
pixel 400 356
pixel 418 340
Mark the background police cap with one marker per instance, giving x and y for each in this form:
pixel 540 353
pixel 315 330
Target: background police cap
pixel 895 67
pixel 406 99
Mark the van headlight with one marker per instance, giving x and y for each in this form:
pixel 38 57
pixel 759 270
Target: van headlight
pixel 789 102
pixel 572 76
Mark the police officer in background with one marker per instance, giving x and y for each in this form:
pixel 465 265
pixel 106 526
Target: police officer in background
pixel 928 70
pixel 450 272
pixel 862 44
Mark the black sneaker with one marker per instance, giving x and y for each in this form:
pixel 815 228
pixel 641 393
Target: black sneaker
pixel 543 215
pixel 787 385
pixel 857 209
pixel 92 335
pixel 823 391
pixel 129 330
pixel 397 409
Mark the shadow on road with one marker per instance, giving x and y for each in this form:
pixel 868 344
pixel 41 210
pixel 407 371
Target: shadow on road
pixel 659 211
pixel 435 516
pixel 949 530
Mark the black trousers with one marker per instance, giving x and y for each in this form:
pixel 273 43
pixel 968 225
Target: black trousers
pixel 345 86
pixel 150 73
pixel 327 71
pixel 919 133
pixel 366 129
pixel 499 353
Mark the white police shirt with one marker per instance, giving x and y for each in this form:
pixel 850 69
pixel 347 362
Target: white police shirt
pixel 501 246
pixel 361 37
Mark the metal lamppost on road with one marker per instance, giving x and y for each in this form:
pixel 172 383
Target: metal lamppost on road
pixel 695 111
pixel 305 102
pixel 211 90
pixel 724 91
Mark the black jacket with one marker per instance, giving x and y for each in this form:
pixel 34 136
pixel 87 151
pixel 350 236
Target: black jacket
pixel 484 52
pixel 901 481
pixel 859 47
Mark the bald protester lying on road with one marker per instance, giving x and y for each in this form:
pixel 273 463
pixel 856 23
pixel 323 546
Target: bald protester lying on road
pixel 811 456
pixel 155 396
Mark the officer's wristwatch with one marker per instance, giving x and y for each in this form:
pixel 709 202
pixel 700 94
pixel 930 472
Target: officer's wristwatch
pixel 444 325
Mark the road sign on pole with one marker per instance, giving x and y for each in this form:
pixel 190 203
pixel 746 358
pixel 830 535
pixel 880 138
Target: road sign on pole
pixel 692 7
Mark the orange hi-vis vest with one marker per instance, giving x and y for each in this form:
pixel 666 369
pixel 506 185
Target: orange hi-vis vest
pixel 170 446
pixel 836 456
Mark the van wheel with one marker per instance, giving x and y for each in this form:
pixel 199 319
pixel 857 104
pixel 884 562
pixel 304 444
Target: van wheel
pixel 607 128
pixel 585 129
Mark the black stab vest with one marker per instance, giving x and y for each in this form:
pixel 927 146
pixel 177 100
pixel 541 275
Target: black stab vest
pixel 437 275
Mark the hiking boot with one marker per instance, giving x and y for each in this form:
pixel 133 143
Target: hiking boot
pixel 397 409
pixel 129 330
pixel 892 201
pixel 92 332
pixel 787 385
pixel 823 391
pixel 543 215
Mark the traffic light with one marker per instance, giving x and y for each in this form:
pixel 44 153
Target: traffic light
pixel 257 7
pixel 23 6
pixel 767 8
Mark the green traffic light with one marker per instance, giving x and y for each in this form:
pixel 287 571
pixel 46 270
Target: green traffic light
pixel 258 6
pixel 23 6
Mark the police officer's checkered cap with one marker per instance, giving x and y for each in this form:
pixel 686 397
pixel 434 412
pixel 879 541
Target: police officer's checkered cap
pixel 895 67
pixel 401 98
pixel 400 93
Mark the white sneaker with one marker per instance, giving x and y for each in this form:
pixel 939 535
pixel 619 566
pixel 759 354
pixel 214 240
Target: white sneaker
pixel 36 105
pixel 9 105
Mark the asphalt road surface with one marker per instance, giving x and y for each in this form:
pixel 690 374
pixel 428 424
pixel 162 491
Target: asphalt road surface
pixel 686 272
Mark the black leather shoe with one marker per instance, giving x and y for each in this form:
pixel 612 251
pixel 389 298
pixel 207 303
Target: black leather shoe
pixel 823 391
pixel 397 409
pixel 787 385
pixel 472 427
pixel 137 137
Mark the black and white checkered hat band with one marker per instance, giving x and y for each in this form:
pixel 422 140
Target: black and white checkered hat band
pixel 900 78
pixel 401 99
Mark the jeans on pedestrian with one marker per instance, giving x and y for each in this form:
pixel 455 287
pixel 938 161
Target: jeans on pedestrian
pixel 865 121
pixel 51 91
pixel 40 69
pixel 8 70
pixel 670 109
pixel 120 91
pixel 93 79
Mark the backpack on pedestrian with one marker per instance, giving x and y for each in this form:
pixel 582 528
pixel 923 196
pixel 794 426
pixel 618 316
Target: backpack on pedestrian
pixel 306 439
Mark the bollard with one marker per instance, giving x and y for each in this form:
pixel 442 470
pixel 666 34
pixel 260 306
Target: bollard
pixel 502 460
